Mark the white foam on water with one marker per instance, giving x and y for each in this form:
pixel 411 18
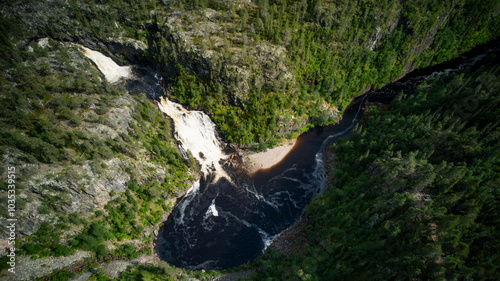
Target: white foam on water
pixel 250 189
pixel 196 133
pixel 206 264
pixel 212 210
pixel 319 164
pixel 194 188
pixel 112 71
pixel 187 199
pixel 207 222
pixel 469 62
pixel 266 238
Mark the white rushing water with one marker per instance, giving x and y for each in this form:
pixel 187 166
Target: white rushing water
pixel 112 71
pixel 195 132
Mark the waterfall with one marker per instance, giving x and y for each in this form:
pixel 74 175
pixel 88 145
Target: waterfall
pixel 112 71
pixel 195 132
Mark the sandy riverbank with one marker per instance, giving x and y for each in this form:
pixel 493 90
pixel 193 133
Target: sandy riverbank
pixel 269 158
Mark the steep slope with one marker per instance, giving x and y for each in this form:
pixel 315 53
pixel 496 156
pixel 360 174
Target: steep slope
pixel 268 69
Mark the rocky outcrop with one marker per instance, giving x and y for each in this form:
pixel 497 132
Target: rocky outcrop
pixel 216 45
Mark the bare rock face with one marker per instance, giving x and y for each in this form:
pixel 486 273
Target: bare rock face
pixel 129 48
pixel 208 42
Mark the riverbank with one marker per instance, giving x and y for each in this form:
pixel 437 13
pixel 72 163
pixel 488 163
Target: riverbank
pixel 267 159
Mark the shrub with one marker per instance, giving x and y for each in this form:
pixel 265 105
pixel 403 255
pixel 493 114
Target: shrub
pixel 127 250
pixel 100 232
pixel 62 276
pixel 101 250
pixel 60 250
pixel 33 249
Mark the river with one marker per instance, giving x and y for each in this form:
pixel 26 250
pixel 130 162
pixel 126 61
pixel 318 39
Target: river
pixel 229 221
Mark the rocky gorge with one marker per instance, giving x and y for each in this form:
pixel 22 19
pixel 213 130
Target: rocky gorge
pixel 262 72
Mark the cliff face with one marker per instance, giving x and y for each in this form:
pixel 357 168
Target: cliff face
pixel 77 183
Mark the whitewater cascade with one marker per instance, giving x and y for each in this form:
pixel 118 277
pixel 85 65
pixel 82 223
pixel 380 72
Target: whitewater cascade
pixel 195 132
pixel 112 71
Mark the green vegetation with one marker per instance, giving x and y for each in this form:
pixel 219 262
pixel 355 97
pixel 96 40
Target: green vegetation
pixel 138 207
pixel 46 96
pixel 415 191
pixel 47 242
pixel 61 275
pixel 4 263
pixel 334 50
pixel 271 68
pixel 164 272
pixel 161 272
pixel 50 97
pixel 126 218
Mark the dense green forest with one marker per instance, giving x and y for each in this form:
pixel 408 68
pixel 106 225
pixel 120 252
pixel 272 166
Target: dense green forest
pixel 270 69
pixel 415 193
pixel 50 97
pixel 335 50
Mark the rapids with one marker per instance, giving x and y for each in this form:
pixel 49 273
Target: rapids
pixel 222 224
pixel 229 221
pixel 196 133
